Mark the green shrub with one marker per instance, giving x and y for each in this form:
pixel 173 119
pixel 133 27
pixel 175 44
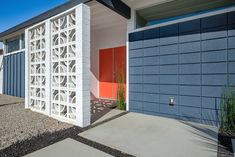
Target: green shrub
pixel 228 111
pixel 120 78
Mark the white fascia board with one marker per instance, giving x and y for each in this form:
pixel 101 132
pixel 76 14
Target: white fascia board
pixel 212 13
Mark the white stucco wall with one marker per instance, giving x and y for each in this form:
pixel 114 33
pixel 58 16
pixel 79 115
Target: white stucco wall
pixel 101 39
pixel 1 74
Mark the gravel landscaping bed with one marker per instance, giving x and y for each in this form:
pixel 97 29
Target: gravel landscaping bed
pixel 18 124
pixel 23 131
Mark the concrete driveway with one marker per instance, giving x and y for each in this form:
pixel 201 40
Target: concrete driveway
pixel 70 148
pixel 148 136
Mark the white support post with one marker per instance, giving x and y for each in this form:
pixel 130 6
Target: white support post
pixel 83 65
pixel 26 69
pixel 48 68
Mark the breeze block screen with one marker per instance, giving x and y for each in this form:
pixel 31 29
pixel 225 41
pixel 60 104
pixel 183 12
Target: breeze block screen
pixel 57 66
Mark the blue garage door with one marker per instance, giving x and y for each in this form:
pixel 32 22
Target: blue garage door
pixel 190 62
pixel 14 75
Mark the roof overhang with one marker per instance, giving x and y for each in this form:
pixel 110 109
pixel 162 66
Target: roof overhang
pixel 116 5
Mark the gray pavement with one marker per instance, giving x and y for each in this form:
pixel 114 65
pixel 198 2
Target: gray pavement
pixel 68 148
pixel 233 142
pixel 148 136
pixel 6 99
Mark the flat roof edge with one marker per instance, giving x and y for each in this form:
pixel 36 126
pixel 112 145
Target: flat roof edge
pixel 42 16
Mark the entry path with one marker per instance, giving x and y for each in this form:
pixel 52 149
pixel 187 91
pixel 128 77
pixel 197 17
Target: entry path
pixel 70 148
pixel 148 136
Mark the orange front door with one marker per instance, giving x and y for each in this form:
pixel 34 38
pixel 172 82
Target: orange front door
pixel 112 62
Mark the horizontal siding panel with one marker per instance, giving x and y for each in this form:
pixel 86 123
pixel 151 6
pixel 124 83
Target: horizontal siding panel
pixel 216 44
pixel 169 49
pixel 190 47
pixel 190 112
pixel 190 79
pixel 214 56
pixel 190 90
pixel 190 101
pixel 211 68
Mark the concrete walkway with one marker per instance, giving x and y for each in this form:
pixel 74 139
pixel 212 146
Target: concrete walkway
pixel 7 99
pixel 148 136
pixel 68 148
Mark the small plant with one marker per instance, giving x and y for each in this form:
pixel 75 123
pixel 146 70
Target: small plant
pixel 228 111
pixel 121 91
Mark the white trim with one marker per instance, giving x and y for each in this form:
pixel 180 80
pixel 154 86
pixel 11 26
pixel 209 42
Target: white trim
pixel 14 52
pixel 127 74
pixel 212 13
pixel 26 68
pixel 54 17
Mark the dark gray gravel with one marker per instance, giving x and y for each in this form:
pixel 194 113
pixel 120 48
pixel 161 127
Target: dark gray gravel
pixel 18 124
pixel 23 131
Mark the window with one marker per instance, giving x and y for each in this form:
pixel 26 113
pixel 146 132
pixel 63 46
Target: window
pixel 13 44
pixel 23 41
pixel 174 10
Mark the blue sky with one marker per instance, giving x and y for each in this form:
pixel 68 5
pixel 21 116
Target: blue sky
pixel 13 12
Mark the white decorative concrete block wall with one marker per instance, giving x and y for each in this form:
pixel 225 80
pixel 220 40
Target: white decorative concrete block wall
pixel 58 66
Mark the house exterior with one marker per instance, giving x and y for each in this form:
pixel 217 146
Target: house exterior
pixel 178 56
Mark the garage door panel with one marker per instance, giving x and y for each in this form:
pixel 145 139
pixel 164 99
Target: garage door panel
pixel 169 89
pixel 168 79
pixel 190 58
pixel 212 68
pixel 135 45
pixel 150 97
pixel 190 47
pixel 211 22
pixel 136 79
pixel 231 30
pixel 231 55
pixel 135 53
pixel 231 67
pixel 169 59
pixel 190 79
pixel 151 79
pixel 231 18
pixel 189 26
pixel 150 88
pixel 214 56
pixel 151 107
pixel 151 43
pixel 211 103
pixel 191 65
pixel 153 60
pixel 150 70
pixel 135 96
pixel 153 51
pixel 169 69
pixel 165 98
pixel 151 34
pixel 189 37
pixel 190 90
pixel 192 112
pixel 171 110
pixel 216 44
pixel 169 40
pixel 213 33
pixel 170 30
pixel 190 101
pixel 231 41
pixel 169 49
pixel 190 69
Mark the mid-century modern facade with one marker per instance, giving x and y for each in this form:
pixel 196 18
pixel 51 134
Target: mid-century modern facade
pixel 178 57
